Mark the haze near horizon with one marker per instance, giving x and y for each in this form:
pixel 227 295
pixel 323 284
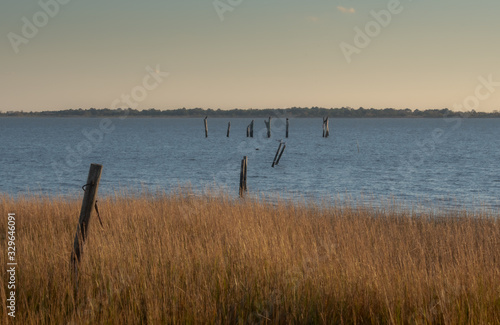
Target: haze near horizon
pixel 63 54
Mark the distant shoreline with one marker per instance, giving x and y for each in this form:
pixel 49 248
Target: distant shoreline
pixel 293 112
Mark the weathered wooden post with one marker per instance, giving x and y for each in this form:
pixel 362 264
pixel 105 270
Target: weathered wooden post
pixel 326 130
pixel 250 129
pixel 243 176
pixel 282 150
pixel 277 153
pixel 287 126
pixel 206 126
pixel 88 203
pixel 323 126
pixel 268 126
pixel 228 128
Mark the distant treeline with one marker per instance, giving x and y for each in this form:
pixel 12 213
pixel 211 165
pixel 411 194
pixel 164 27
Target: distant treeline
pixel 347 112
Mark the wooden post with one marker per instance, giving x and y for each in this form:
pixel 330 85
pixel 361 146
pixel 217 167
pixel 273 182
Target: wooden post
pixel 248 131
pixel 323 126
pixel 277 153
pixel 282 150
pixel 206 126
pixel 243 176
pixel 268 125
pixel 326 131
pixel 88 203
pixel 228 128
pixel 251 129
pixel 326 128
pixel 287 126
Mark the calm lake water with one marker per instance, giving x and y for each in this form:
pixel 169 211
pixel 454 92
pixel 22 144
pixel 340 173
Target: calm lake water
pixel 441 162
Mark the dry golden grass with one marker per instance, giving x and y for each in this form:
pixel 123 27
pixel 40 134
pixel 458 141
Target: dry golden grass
pixel 182 258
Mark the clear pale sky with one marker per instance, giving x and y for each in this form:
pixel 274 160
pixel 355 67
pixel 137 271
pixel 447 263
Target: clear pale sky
pixel 264 53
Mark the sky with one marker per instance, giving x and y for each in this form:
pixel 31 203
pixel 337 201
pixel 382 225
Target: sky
pixel 420 54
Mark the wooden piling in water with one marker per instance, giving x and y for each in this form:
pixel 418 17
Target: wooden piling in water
pixel 206 126
pixel 251 129
pixel 276 155
pixel 268 126
pixel 282 150
pixel 243 176
pixel 88 204
pixel 228 128
pixel 326 130
pixel 248 131
pixel 287 126
pixel 323 126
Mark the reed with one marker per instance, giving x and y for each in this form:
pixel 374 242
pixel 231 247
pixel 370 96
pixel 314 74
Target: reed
pixel 185 258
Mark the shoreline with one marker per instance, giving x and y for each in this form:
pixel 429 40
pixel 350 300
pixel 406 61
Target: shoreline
pixel 369 202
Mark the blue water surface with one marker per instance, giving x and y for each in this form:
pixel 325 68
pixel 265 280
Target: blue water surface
pixel 446 162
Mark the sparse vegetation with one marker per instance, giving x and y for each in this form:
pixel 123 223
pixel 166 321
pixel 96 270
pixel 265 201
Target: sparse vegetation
pixel 184 258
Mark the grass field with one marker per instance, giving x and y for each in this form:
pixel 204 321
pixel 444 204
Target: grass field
pixel 184 258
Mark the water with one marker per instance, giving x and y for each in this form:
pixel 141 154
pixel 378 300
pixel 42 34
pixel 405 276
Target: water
pixel 445 162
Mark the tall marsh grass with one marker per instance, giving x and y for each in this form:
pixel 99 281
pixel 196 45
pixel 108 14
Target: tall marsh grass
pixel 184 258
